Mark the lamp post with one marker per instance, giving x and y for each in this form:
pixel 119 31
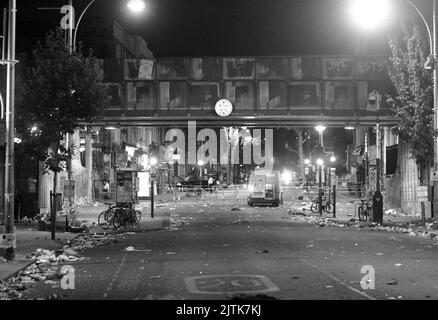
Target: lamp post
pixel 320 130
pixel 375 98
pixel 307 170
pixel 200 165
pixel 135 6
pixel 320 163
pixel 332 161
pixel 369 13
pixel 9 197
pixel 153 162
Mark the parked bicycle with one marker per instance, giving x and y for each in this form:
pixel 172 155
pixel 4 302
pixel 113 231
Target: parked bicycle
pixel 120 214
pixel 326 205
pixel 365 210
pixel 126 215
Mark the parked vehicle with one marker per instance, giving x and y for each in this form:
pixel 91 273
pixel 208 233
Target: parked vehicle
pixel 264 188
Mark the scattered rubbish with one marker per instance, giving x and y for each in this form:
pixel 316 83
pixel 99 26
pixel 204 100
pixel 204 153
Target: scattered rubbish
pixel 240 222
pixel 310 246
pixel 263 251
pixel 392 283
pixel 328 287
pixel 235 209
pixel 379 254
pixel 128 249
pixel 294 212
pixel 398 265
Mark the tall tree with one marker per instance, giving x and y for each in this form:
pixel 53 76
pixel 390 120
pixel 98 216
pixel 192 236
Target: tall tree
pixel 413 103
pixel 60 92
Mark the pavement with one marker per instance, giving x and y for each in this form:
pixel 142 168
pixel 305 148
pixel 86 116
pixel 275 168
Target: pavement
pixel 223 251
pixel 393 220
pixel 29 239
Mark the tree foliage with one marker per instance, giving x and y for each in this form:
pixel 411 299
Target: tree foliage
pixel 413 104
pixel 60 91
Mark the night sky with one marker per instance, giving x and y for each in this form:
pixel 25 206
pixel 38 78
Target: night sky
pixel 226 27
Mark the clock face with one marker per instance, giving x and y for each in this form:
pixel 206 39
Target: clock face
pixel 224 108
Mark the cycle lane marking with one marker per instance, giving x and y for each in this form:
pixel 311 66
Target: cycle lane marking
pixel 116 274
pixel 338 280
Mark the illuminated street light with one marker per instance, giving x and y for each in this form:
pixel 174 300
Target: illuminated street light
pixel 320 162
pixel 153 161
pixel 369 14
pixel 286 176
pixel 136 6
pixel 321 130
pixel 200 163
pixel 306 162
pixel 332 159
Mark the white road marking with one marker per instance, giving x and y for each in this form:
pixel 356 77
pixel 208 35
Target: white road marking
pixel 230 284
pixel 339 280
pixel 116 274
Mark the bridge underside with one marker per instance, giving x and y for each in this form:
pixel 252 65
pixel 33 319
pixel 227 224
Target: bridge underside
pixel 248 120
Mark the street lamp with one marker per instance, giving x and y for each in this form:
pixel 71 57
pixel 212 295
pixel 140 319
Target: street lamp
pixel 374 10
pixel 135 6
pixel 320 163
pixel 369 14
pixel 9 195
pixel 153 161
pixel 200 165
pixel 320 130
pixel 332 161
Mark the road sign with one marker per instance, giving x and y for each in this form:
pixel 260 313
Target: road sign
pixel 8 241
pixel 422 194
pixel 433 175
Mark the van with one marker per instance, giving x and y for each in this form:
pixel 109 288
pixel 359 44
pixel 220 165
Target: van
pixel 264 188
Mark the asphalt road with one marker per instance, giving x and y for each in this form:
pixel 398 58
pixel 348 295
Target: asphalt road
pixel 218 253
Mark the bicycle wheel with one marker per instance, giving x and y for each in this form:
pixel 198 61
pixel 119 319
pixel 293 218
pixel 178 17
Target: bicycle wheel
pixel 329 207
pixel 314 207
pixel 101 220
pixel 361 213
pixel 369 213
pixel 138 215
pixel 118 218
